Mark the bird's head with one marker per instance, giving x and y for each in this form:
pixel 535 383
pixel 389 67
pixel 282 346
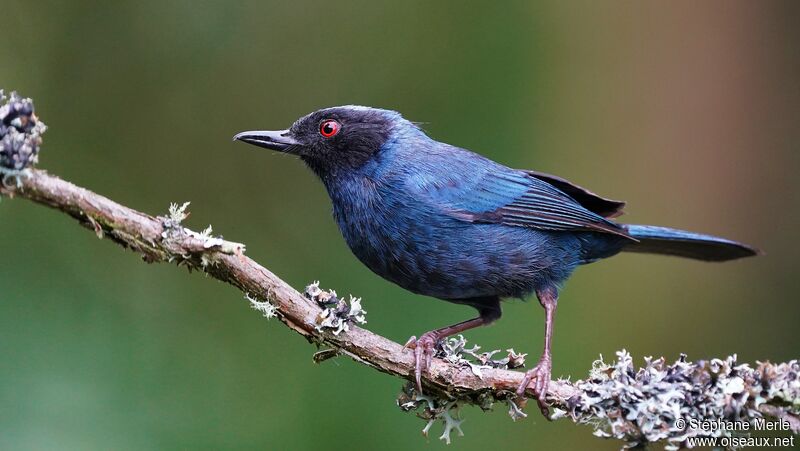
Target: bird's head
pixel 333 139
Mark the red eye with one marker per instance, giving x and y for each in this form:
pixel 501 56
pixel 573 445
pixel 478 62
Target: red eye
pixel 329 127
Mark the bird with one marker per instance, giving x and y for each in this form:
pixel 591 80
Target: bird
pixel 448 223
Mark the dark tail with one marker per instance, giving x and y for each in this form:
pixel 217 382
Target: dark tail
pixel 666 241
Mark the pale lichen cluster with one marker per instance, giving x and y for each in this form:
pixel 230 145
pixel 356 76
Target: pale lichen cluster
pixel 435 408
pixel 177 214
pixel 455 351
pixel 337 314
pixel 20 137
pixel 174 230
pixel 267 309
pixel 658 401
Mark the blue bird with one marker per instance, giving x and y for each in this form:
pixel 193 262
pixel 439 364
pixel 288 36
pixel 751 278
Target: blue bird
pixel 445 222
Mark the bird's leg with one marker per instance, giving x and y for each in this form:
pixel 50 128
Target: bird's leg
pixel 548 297
pixel 425 346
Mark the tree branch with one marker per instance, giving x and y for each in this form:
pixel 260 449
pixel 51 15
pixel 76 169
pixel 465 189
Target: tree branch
pixel 614 399
pixel 160 239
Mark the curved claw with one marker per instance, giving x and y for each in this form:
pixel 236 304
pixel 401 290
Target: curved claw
pixel 424 349
pixel 540 374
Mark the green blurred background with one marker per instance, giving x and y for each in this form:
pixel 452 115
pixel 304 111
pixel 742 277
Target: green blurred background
pixel 687 110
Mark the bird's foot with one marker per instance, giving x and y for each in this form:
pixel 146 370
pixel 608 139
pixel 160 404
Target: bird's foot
pixel 424 348
pixel 540 374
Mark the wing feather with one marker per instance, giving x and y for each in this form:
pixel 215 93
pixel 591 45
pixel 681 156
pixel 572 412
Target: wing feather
pixel 523 199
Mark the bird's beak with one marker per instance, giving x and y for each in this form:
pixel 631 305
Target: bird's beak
pixel 281 140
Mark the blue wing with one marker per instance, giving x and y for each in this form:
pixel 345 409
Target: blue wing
pixel 492 193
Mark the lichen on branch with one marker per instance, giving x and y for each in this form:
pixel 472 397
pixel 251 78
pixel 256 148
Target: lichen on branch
pixel 20 136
